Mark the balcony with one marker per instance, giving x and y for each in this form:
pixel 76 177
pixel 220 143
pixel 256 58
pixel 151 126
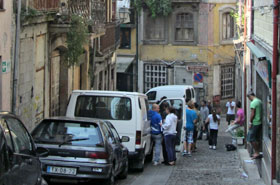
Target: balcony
pixel 110 41
pixel 92 10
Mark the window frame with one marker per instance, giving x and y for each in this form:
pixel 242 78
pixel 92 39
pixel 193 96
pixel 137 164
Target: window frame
pixel 223 68
pixel 154 71
pixel 122 30
pixel 224 10
pixel 182 27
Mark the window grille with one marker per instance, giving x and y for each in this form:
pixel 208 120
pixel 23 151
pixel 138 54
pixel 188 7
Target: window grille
pixel 155 75
pixel 227 82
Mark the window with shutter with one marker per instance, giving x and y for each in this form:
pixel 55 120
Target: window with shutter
pixel 184 27
pixel 227 26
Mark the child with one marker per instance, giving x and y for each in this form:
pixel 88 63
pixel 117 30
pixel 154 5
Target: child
pixel 214 122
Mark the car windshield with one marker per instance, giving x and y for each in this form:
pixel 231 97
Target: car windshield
pixel 104 107
pixel 67 133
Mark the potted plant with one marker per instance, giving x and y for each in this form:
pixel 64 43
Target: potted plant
pixel 240 136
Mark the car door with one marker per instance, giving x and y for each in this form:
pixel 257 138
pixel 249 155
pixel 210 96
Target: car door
pixel 4 165
pixel 25 166
pixel 116 149
pixel 180 107
pixel 123 151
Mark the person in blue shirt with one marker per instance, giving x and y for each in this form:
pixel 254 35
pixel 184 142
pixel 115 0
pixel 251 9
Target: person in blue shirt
pixel 156 131
pixel 191 120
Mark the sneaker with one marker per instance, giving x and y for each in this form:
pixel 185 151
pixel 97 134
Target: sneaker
pixel 210 147
pixel 155 163
pixel 184 153
pixel 214 147
pixel 189 154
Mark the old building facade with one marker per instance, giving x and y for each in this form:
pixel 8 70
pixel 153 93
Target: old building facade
pixel 6 50
pixel 46 79
pixel 258 57
pixel 191 46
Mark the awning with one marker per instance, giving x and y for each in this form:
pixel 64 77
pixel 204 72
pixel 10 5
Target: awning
pixel 256 51
pixel 123 63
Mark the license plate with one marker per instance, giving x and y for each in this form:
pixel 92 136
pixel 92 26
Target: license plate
pixel 61 170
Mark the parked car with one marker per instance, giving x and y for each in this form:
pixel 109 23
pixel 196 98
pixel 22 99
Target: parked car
pixel 19 157
pixel 127 111
pixel 171 91
pixel 81 150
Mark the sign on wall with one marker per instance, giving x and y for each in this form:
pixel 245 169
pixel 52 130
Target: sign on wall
pixel 198 80
pixel 6 66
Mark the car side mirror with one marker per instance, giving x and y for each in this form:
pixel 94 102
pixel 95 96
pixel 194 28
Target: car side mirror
pixel 42 152
pixel 125 139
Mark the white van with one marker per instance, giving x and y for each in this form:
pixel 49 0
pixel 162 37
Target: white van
pixel 127 111
pixel 171 91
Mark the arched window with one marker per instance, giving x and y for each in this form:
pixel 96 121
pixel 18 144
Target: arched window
pixel 184 28
pixel 227 26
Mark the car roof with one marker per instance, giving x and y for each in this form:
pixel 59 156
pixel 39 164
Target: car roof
pixel 73 119
pixel 172 87
pixel 108 93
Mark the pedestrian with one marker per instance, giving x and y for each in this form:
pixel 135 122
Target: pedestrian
pixel 240 119
pixel 156 131
pixel 197 126
pixel 163 113
pixel 214 122
pixel 209 105
pixel 169 131
pixel 204 112
pixel 255 125
pixel 230 111
pixel 191 120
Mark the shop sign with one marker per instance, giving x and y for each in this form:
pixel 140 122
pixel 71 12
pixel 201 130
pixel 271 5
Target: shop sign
pixel 198 69
pixel 263 70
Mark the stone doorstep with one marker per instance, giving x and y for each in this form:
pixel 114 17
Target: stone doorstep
pixel 250 168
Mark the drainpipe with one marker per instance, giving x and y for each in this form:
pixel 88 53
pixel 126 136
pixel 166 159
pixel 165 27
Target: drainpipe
pixel 137 49
pixel 274 98
pixel 16 59
pixel 244 64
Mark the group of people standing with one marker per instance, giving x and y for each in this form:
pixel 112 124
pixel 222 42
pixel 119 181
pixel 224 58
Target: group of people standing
pixel 201 120
pixel 163 131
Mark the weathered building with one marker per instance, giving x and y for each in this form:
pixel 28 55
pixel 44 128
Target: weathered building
pixel 6 50
pixel 191 46
pixel 259 64
pixel 46 79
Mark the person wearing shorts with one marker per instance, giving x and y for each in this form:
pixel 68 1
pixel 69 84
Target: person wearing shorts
pixel 191 120
pixel 255 126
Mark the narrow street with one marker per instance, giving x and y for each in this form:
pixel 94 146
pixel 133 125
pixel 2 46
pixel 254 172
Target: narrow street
pixel 217 167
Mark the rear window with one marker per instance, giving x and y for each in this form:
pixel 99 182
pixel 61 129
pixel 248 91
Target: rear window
pixel 152 95
pixel 68 133
pixel 104 107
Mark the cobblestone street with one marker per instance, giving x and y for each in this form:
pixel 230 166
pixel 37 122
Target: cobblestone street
pixel 205 167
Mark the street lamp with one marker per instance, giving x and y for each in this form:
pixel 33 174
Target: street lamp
pixel 124 14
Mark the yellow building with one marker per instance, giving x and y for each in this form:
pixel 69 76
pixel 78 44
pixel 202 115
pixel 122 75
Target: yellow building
pixel 191 46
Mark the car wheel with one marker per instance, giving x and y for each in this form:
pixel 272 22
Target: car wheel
pixel 111 179
pixel 141 164
pixel 124 171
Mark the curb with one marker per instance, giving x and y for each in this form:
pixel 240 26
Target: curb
pixel 249 167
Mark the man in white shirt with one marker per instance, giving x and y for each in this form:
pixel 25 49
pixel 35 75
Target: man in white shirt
pixel 231 111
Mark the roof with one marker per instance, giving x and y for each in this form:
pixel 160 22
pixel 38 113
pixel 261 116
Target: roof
pixel 118 93
pixel 171 87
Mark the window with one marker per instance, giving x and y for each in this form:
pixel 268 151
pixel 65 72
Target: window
pixel 20 137
pixel 152 95
pixel 189 95
pixel 1 4
pixel 227 26
pixel 227 81
pixel 154 75
pixel 184 27
pixel 115 133
pixel 58 132
pixel 125 37
pixel 104 107
pixel 155 28
pixel 108 134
